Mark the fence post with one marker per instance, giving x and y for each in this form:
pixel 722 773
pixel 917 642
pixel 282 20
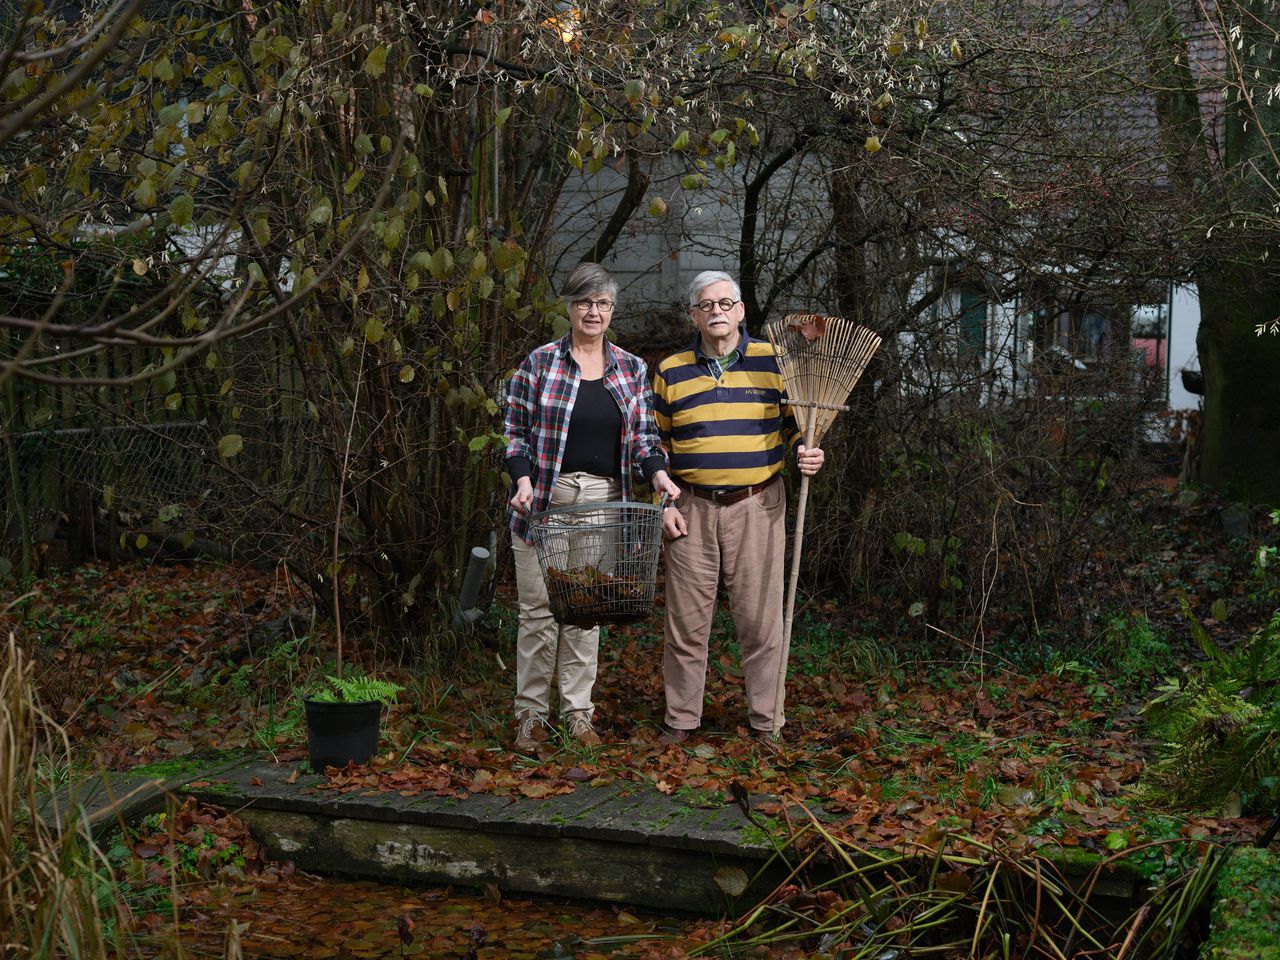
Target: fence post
pixel 19 499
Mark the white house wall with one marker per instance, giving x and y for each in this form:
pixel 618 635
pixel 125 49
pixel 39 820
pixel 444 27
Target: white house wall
pixel 1182 346
pixel 656 257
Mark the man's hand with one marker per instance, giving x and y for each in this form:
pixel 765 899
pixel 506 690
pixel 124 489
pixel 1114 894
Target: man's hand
pixel 810 461
pixel 523 498
pixel 673 523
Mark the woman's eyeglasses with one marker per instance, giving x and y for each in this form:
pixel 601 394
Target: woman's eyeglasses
pixel 604 306
pixel 725 305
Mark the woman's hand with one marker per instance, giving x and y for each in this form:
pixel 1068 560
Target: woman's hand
pixel 663 483
pixel 809 461
pixel 523 498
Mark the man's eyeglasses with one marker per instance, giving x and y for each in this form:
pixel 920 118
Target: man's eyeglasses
pixel 604 306
pixel 725 305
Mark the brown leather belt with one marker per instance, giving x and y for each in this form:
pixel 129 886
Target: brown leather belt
pixel 726 497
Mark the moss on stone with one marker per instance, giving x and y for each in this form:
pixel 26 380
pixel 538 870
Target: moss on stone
pixel 184 769
pixel 771 835
pixel 218 788
pixel 1078 862
pixel 1245 923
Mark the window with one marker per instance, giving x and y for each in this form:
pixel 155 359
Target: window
pixel 972 323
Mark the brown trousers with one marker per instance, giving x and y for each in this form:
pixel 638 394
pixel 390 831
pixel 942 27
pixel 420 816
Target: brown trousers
pixel 746 542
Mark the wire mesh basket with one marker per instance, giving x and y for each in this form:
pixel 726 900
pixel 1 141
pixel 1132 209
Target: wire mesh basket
pixel 599 560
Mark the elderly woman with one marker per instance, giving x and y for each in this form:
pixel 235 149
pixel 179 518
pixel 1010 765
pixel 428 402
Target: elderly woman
pixel 579 428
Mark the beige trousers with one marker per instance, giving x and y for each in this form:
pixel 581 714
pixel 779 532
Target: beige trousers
pixel 545 648
pixel 746 542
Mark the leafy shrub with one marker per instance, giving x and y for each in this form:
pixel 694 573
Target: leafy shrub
pixel 1220 725
pixel 1137 652
pixel 1267 566
pixel 1245 923
pixel 949 502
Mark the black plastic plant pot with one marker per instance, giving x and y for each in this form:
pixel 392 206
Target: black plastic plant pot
pixel 341 733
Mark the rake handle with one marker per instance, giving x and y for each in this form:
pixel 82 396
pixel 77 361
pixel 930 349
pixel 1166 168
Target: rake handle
pixel 810 417
pixel 815 405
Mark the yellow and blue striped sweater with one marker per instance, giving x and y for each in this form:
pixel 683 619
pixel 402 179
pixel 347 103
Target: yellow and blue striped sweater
pixel 728 432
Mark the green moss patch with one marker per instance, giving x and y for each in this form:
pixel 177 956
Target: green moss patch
pixel 188 768
pixel 1246 913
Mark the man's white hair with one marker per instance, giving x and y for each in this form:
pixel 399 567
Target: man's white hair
pixel 705 279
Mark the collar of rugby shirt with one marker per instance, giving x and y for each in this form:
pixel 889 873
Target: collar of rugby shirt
pixel 719 365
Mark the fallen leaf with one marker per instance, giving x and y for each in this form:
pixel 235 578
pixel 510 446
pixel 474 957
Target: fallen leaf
pixel 1016 796
pixel 405 929
pixel 732 880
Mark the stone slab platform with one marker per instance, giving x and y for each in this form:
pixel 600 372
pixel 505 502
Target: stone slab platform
pixel 621 843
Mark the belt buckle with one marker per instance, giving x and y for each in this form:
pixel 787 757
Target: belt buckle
pixel 723 497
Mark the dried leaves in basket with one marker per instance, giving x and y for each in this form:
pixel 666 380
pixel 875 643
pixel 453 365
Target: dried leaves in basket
pixel 587 596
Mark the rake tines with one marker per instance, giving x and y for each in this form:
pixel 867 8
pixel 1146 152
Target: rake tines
pixel 822 359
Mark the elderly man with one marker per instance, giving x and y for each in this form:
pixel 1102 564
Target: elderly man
pixel 720 409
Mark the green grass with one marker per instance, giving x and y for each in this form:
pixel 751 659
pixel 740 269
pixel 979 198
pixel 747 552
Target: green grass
pixel 965 749
pixel 820 646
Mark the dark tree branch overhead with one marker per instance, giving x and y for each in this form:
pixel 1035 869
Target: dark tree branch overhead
pixel 28 113
pixel 749 268
pixel 630 201
pixel 784 283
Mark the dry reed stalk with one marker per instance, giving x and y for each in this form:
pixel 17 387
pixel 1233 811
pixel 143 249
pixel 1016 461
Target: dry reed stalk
pixel 51 875
pixel 821 358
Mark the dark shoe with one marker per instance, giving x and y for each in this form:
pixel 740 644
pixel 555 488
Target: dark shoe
pixel 671 736
pixel 767 739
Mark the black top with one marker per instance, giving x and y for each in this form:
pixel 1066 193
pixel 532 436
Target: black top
pixel 594 441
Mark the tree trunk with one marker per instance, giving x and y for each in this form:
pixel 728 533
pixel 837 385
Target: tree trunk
pixel 1238 290
pixel 1241 411
pixel 1241 408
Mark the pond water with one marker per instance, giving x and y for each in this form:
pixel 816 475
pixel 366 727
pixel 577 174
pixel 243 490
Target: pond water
pixel 306 916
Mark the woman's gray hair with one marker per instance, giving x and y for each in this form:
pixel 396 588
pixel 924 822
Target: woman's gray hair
pixel 588 279
pixel 705 279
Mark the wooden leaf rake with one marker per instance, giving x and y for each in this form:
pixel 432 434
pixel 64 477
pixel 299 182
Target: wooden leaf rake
pixel 821 359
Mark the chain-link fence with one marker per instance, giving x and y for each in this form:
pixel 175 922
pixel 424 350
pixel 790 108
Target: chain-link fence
pixel 83 467
pixel 80 481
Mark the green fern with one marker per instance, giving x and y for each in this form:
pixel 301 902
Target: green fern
pixel 1220 727
pixel 356 689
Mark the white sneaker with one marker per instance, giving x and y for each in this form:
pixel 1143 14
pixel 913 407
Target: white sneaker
pixel 528 721
pixel 579 725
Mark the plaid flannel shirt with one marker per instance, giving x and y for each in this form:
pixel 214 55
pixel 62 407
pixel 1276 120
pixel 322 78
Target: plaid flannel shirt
pixel 540 397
